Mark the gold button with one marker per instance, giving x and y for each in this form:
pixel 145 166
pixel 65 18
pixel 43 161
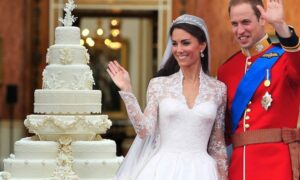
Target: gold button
pixel 247 117
pixel 248 110
pixel 250 102
pixel 249 63
pixel 247 126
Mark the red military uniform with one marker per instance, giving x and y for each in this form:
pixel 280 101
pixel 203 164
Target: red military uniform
pixel 267 160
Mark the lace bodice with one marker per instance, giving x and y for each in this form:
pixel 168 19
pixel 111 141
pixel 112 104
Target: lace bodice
pixel 180 128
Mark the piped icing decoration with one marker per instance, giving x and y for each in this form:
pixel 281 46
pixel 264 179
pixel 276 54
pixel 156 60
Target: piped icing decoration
pixel 69 19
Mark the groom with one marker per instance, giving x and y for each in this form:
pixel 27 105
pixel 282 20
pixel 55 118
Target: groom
pixel 263 82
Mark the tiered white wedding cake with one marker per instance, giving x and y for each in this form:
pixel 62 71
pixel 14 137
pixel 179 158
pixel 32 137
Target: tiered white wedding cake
pixel 67 123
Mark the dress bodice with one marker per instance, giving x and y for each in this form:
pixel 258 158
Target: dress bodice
pixel 185 129
pixel 178 127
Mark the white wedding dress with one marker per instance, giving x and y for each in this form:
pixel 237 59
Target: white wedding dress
pixel 176 142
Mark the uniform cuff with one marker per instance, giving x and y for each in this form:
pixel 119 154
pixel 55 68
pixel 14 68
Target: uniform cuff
pixel 290 43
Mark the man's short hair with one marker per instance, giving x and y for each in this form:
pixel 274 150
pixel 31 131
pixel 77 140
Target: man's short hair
pixel 253 4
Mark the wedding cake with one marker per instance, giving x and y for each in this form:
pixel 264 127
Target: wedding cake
pixel 67 122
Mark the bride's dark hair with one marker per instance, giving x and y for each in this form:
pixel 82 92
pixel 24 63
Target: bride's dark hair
pixel 171 65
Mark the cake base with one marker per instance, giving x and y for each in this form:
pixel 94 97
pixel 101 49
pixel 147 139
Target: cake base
pixel 42 159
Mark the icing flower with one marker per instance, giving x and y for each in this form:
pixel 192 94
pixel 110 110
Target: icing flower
pixel 65 140
pixel 69 18
pixel 5 175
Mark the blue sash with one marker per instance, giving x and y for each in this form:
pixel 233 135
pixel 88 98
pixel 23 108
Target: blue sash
pixel 250 82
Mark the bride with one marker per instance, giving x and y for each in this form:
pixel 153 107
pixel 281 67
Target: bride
pixel 180 134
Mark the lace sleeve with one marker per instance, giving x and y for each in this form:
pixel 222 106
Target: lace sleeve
pixel 217 147
pixel 143 123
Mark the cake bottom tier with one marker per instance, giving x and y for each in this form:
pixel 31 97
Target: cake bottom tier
pixel 42 159
pixel 43 169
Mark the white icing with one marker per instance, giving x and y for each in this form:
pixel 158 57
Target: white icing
pixel 43 169
pixel 68 125
pixel 73 77
pixel 67 35
pixel 104 149
pixel 85 164
pixel 27 148
pixel 51 127
pixel 20 168
pixel 67 101
pixel 67 54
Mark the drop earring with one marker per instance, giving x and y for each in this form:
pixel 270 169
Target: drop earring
pixel 201 54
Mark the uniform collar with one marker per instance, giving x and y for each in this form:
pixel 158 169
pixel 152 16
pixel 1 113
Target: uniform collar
pixel 260 46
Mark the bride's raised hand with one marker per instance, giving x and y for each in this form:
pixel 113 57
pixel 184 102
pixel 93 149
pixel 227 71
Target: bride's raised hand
pixel 119 75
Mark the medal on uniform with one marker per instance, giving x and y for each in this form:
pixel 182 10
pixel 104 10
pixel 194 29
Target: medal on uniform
pixel 267 98
pixel 266 101
pixel 267 81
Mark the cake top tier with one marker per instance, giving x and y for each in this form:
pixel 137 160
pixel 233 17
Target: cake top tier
pixel 67 35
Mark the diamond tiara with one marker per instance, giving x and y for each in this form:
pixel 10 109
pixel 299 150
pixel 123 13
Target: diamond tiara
pixel 189 19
